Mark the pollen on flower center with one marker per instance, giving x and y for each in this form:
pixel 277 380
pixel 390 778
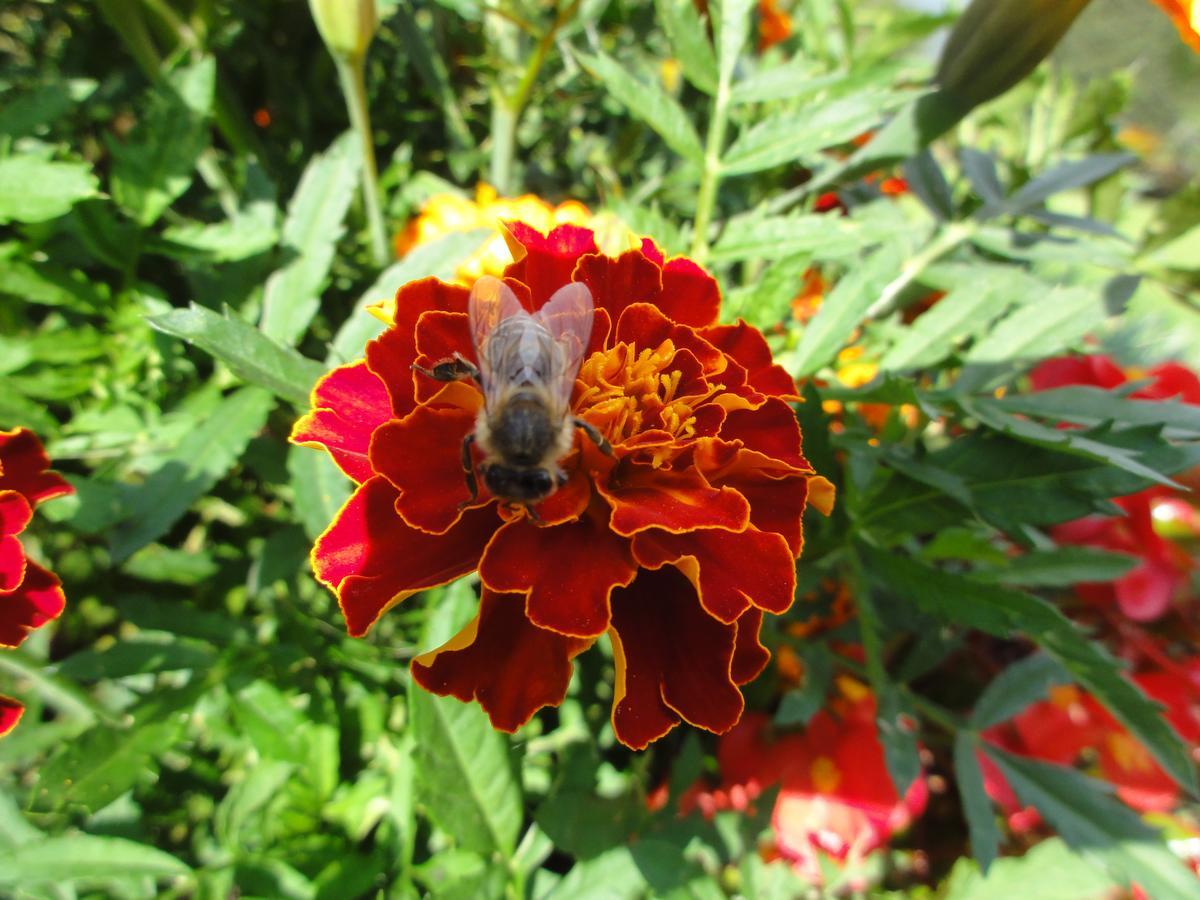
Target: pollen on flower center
pixel 623 390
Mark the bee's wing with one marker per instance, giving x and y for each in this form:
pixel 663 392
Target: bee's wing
pixel 567 316
pixel 491 302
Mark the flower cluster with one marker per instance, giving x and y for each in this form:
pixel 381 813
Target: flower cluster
pixel 30 596
pixel 836 799
pixel 648 545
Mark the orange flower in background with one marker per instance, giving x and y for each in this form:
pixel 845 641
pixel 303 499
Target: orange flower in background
pixel 444 214
pixel 774 25
pixel 30 596
pixel 836 799
pixel 647 545
pixel 1186 16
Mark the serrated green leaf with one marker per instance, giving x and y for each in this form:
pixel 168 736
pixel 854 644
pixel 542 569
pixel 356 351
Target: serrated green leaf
pixel 1004 612
pixel 251 355
pixel 1021 684
pixel 685 29
pixel 977 808
pixel 1060 567
pixel 963 313
pixel 466 773
pixel 319 486
pixel 1061 178
pixel 775 237
pixel 1094 823
pixel 843 311
pixel 311 230
pixel 37 190
pixel 732 30
pixel 84 859
pixel 135 656
pixel 1038 330
pixel 190 471
pixel 1091 406
pixel 239 808
pixel 647 102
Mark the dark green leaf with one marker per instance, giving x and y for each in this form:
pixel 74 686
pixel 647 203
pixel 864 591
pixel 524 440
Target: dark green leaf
pixel 1060 567
pixel 1094 406
pixel 319 486
pixel 1060 178
pixel 1015 688
pixel 977 808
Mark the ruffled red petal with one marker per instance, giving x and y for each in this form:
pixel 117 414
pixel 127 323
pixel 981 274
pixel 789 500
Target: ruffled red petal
pixel 510 666
pixel 23 468
pixel 646 326
pixel 372 560
pixel 348 404
pixel 421 456
pixel 750 657
pixel 616 283
pixel 10 714
pixel 391 355
pixel 566 572
pixel 771 430
pixel 1096 371
pixel 15 513
pixel 747 345
pixel 776 504
pixel 690 295
pixel 714 561
pixel 38 599
pixel 673 661
pixel 643 497
pixel 545 262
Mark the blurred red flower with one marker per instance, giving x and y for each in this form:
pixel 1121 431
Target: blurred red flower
pixel 30 596
pixel 836 798
pixel 648 546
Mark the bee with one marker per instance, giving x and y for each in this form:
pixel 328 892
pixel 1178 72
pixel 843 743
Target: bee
pixel 527 365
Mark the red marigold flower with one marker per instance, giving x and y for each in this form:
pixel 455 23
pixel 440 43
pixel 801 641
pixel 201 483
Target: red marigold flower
pixel 836 798
pixel 30 596
pixel 646 545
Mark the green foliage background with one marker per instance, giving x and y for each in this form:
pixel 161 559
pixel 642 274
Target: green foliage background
pixel 175 277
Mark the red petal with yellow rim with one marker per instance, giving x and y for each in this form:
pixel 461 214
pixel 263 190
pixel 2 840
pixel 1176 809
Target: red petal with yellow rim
pixel 36 600
pixel 23 465
pixel 772 430
pixel 372 560
pixel 750 657
pixel 566 572
pixel 349 403
pixel 510 666
pixel 391 355
pixel 441 335
pixel 15 513
pixel 715 562
pixel 643 497
pixel 549 259
pixel 645 326
pixel 616 283
pixel 776 504
pixel 748 346
pixel 10 714
pixel 421 455
pixel 672 659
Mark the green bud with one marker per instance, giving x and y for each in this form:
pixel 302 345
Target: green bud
pixel 346 26
pixel 996 43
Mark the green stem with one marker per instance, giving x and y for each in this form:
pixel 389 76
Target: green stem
pixel 710 177
pixel 354 89
pixel 946 240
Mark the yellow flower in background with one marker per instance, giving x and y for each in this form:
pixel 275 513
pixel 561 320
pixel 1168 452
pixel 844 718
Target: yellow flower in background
pixel 1186 16
pixel 447 213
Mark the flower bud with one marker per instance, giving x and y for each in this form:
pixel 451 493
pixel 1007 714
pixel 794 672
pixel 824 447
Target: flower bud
pixel 346 26
pixel 996 43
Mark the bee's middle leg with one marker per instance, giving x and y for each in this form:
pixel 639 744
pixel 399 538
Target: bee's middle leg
pixel 454 369
pixel 468 465
pixel 594 433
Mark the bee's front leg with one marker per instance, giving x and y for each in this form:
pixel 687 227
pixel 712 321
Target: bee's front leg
pixel 594 433
pixel 468 465
pixel 454 369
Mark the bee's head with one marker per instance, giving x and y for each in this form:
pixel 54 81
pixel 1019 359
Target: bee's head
pixel 520 485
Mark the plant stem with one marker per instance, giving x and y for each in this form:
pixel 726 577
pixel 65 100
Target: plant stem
pixel 946 240
pixel 354 89
pixel 710 178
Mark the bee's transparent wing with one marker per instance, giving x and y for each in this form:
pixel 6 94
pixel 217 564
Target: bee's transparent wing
pixel 567 316
pixel 491 302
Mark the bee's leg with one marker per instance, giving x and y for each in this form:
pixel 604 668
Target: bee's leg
pixel 594 433
pixel 468 465
pixel 454 369
pixel 533 515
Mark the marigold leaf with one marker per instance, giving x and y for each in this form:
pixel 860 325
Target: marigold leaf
pixel 1092 406
pixel 1042 329
pixel 36 190
pixel 1061 178
pixel 1049 871
pixel 977 808
pixel 84 859
pixel 686 31
pixel 319 487
pixel 1060 567
pixel 775 237
pixel 1021 684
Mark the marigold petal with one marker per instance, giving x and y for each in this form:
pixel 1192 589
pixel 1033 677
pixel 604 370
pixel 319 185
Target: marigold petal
pixel 643 497
pixel 535 671
pixel 672 661
pixel 391 355
pixel 1095 370
pixel 714 561
pixel 771 430
pixel 10 714
pixel 747 345
pixel 34 602
pixel 645 326
pixel 348 404
pixel 617 283
pixel 566 572
pixel 12 562
pixel 372 560
pixel 750 656
pixel 690 294
pixel 421 456
pixel 776 504
pixel 545 262
pixel 24 465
